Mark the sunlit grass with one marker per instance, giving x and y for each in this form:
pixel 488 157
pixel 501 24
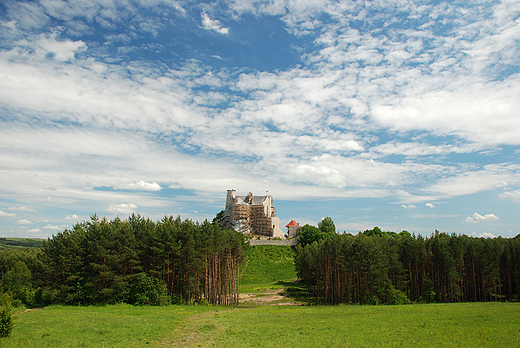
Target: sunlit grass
pixel 433 325
pixel 455 325
pixel 266 266
pixel 103 326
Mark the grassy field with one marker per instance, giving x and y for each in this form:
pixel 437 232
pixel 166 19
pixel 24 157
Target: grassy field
pixel 455 325
pixel 434 325
pixel 103 326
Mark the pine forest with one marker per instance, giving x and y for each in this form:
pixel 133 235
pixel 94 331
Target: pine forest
pixel 173 261
pixel 397 268
pixel 136 261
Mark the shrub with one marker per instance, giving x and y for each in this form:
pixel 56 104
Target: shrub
pixel 147 290
pixel 372 300
pixel 204 302
pixel 6 321
pixel 396 297
pixel 176 299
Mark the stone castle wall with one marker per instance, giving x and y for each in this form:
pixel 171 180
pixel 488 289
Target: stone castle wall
pixel 290 242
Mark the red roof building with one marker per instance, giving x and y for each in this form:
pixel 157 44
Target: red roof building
pixel 293 228
pixel 292 223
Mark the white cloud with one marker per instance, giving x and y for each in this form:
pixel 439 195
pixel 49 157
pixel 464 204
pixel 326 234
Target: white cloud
pixel 488 235
pixel 51 227
pixel 484 113
pixel 4 214
pixel 430 205
pixel 408 206
pixel 24 222
pixel 476 218
pixel 416 149
pixel 406 197
pixel 140 186
pixel 34 230
pixel 273 7
pixel 27 16
pixel 61 51
pixel 213 24
pixel 21 209
pixel 122 208
pixel 484 235
pixel 466 181
pixel 342 172
pixel 72 217
pixel 511 195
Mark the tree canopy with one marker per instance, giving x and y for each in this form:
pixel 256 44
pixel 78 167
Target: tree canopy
pixel 135 261
pixel 309 234
pixel 393 268
pixel 326 226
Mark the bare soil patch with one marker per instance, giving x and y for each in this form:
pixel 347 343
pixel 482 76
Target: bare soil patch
pixel 272 297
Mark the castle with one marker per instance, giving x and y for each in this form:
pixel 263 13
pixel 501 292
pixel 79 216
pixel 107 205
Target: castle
pixel 251 215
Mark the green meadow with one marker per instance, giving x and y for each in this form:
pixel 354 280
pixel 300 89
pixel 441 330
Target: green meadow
pixel 269 324
pixel 433 325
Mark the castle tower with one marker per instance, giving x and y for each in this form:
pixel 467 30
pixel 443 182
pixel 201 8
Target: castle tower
pixel 228 221
pixel 293 228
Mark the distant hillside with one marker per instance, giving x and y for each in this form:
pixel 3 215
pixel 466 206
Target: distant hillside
pixel 21 242
pixel 268 264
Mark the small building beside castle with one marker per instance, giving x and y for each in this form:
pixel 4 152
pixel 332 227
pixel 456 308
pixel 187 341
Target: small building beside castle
pixel 251 215
pixel 292 229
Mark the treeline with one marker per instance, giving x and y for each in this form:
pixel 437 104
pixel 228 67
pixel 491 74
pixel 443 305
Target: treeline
pixel 397 268
pixel 21 242
pixel 136 261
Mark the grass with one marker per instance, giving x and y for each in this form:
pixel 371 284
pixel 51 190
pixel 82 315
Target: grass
pixel 454 325
pixel 433 325
pixel 97 326
pixel 266 266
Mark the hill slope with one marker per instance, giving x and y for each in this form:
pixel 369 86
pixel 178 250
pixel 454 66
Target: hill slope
pixel 268 264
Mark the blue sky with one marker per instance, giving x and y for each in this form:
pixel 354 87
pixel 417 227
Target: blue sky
pixel 398 114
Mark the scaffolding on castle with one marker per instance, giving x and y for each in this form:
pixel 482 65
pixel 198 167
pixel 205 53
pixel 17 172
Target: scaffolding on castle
pixel 251 215
pixel 253 219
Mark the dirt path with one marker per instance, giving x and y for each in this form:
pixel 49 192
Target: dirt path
pixel 196 332
pixel 268 297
